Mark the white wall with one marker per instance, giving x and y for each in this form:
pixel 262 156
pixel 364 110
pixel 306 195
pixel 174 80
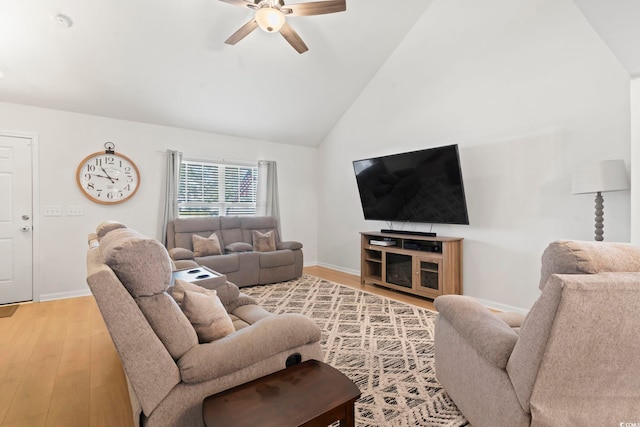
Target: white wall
pixel 66 138
pixel 635 159
pixel 529 92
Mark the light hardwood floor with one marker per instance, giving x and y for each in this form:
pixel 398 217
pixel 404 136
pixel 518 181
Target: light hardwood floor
pixel 59 368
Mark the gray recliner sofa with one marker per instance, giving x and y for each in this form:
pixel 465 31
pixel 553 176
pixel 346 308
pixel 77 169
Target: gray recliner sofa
pixel 169 373
pixel 242 265
pixel 572 361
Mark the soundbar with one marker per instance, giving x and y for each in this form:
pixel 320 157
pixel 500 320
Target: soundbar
pixel 415 233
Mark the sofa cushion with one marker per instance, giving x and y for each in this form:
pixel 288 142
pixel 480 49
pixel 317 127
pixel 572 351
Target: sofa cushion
pixel 263 242
pixel 221 263
pixel 197 224
pixel 169 323
pixel 276 259
pixel 206 246
pixel 579 257
pixel 230 229
pixel 239 247
pixel 262 224
pixel 258 222
pixel 207 315
pixel 142 264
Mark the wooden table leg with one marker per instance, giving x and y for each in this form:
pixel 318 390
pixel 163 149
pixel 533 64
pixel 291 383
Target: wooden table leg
pixel 350 419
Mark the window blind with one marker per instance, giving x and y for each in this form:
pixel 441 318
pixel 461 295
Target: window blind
pixel 214 189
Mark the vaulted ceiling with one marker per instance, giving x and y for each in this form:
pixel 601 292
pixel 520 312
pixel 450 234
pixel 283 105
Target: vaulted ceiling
pixel 165 62
pixel 617 23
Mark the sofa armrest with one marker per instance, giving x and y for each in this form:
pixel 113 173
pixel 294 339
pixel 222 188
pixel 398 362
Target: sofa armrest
pixel 177 254
pixel 267 337
pixel 289 245
pixel 181 264
pixel 242 300
pixel 514 320
pixel 491 336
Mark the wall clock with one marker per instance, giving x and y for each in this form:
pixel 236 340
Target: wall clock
pixel 108 177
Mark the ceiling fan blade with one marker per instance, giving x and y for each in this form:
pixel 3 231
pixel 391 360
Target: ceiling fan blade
pixel 243 3
pixel 315 8
pixel 293 38
pixel 242 32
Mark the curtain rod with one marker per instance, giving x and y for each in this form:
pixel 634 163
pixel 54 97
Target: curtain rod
pixel 222 161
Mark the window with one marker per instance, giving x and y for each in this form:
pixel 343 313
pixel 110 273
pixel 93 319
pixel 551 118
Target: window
pixel 214 189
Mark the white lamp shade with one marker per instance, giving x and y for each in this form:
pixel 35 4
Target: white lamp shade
pixel 607 175
pixel 270 19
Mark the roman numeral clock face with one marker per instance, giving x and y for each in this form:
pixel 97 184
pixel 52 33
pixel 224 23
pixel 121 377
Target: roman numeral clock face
pixel 108 177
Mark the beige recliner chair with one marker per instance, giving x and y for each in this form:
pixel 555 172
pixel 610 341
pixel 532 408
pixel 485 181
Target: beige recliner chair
pixel 573 361
pixel 169 372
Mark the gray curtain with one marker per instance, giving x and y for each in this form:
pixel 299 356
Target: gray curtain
pixel 267 198
pixel 172 174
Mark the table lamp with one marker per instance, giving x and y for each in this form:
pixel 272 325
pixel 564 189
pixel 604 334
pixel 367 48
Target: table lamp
pixel 607 175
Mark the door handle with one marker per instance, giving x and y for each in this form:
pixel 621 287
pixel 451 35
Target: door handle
pixel 25 228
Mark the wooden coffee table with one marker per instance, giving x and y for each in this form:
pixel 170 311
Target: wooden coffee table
pixel 310 394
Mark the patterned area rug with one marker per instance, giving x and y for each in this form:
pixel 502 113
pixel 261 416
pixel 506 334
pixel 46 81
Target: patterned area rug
pixel 384 346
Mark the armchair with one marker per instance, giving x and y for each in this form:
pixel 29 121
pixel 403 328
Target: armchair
pixel 169 369
pixel 573 360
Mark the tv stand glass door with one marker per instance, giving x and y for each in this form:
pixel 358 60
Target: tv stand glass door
pixel 399 268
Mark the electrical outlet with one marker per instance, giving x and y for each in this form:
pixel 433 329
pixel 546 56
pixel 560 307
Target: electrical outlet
pixel 75 211
pixel 52 211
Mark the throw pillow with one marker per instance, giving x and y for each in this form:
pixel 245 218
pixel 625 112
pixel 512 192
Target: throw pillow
pixel 238 247
pixel 264 242
pixel 203 246
pixel 180 286
pixel 180 254
pixel 207 315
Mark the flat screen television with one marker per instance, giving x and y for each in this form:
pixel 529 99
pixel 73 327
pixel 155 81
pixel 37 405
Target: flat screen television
pixel 422 186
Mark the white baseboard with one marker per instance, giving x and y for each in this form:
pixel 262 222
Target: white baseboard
pixel 338 268
pixel 63 295
pixel 490 304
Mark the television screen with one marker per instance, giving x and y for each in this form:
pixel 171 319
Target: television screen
pixel 419 186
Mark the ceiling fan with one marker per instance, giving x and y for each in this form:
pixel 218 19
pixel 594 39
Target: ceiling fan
pixel 271 16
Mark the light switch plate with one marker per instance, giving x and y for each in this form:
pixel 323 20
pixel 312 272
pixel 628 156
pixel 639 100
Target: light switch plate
pixel 75 211
pixel 52 211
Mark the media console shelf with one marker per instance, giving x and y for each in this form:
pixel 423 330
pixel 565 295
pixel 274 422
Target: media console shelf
pixel 420 265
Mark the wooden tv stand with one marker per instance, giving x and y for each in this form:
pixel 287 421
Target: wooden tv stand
pixel 419 265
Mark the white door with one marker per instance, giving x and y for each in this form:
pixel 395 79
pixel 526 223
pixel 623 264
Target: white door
pixel 16 237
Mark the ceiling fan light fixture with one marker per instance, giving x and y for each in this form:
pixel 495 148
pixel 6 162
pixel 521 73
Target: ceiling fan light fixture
pixel 270 19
